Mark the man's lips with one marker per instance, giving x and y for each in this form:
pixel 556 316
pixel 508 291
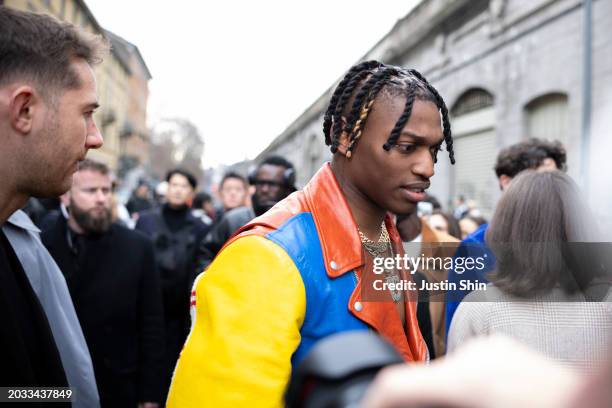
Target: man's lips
pixel 415 192
pixel 419 186
pixel 99 210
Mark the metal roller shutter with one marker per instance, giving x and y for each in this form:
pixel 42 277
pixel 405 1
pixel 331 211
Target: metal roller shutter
pixel 547 118
pixel 474 174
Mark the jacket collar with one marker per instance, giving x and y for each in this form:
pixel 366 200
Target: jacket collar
pixel 340 243
pixel 21 220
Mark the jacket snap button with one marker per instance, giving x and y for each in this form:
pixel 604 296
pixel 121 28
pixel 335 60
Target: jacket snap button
pixel 358 306
pixel 333 265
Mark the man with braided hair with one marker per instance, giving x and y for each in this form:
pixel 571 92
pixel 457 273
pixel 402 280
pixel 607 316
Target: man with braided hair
pixel 299 272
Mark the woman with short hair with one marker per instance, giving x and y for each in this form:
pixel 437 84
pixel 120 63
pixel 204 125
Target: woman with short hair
pixel 550 288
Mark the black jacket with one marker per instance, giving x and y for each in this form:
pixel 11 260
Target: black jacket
pixel 116 292
pixel 175 235
pixel 229 223
pixel 138 204
pixel 175 245
pixel 28 353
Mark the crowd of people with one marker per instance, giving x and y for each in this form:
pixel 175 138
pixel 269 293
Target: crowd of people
pixel 191 299
pixel 141 273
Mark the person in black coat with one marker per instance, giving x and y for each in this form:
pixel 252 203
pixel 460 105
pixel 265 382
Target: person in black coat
pixel 140 200
pixel 175 232
pixel 115 287
pixel 274 179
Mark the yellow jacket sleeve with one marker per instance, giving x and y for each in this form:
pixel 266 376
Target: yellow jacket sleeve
pixel 250 306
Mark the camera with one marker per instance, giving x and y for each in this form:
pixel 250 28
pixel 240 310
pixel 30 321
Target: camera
pixel 338 370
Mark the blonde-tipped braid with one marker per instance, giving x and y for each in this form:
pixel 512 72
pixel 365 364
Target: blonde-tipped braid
pixel 363 115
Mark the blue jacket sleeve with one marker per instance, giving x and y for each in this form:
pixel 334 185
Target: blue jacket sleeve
pixel 473 246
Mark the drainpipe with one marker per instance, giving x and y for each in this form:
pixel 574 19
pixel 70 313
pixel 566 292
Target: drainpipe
pixel 587 78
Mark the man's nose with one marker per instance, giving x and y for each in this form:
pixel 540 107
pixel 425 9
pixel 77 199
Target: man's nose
pixel 264 188
pixel 424 166
pixel 94 137
pixel 101 196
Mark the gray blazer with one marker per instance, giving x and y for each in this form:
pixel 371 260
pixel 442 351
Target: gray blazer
pixel 50 287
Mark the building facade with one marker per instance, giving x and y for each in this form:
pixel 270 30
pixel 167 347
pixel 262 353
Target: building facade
pixel 120 79
pixel 508 70
pixel 134 136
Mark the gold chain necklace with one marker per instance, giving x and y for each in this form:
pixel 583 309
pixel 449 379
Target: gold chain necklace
pixel 377 249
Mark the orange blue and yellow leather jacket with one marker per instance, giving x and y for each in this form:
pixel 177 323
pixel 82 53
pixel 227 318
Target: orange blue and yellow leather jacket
pixel 283 282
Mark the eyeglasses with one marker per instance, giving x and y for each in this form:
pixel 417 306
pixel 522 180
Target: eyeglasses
pixel 270 183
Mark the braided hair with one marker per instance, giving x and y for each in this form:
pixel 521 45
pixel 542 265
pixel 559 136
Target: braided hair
pixel 361 85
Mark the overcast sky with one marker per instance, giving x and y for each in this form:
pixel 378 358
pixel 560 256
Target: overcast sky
pixel 242 71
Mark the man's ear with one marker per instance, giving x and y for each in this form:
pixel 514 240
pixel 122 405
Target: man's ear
pixel 65 199
pixel 22 106
pixel 504 180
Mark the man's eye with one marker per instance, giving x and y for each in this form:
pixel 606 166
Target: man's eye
pixel 406 147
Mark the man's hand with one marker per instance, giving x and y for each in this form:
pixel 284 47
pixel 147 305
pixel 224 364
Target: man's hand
pixel 487 372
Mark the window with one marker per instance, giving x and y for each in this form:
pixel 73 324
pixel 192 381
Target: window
pixel 473 122
pixel 547 117
pixel 472 100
